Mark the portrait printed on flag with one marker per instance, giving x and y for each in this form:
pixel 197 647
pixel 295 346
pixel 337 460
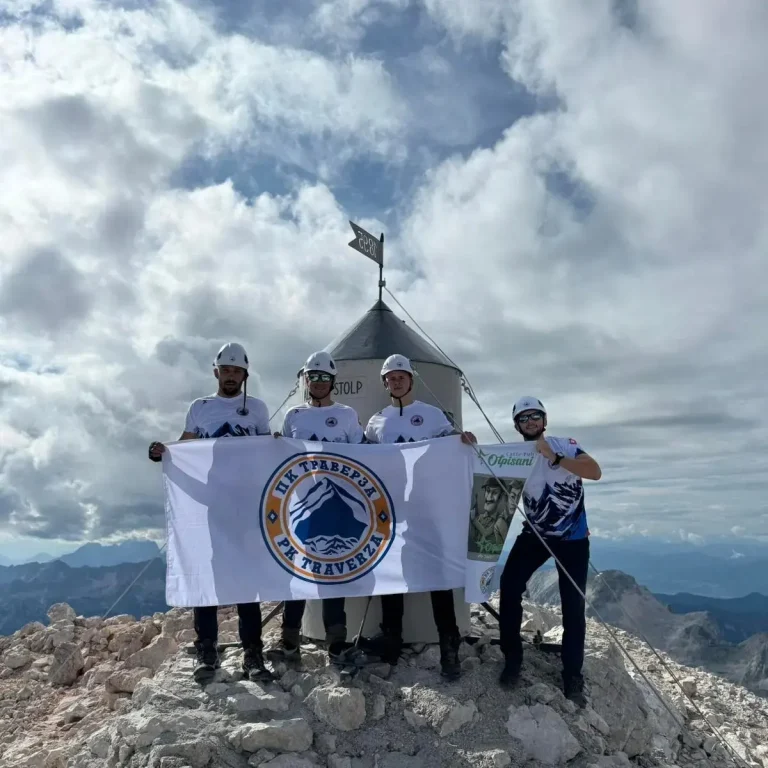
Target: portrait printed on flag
pixel 491 513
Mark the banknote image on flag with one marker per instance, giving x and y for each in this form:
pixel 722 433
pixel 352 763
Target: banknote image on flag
pixel 259 518
pixel 499 475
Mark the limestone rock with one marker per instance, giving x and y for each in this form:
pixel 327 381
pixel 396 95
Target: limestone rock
pixel 379 707
pixel 429 658
pixel 58 633
pixel 543 733
pixel 619 760
pixel 255 699
pixel 293 735
pixel 616 697
pixel 154 654
pixel 554 635
pixel 66 665
pixel 17 657
pixel 542 693
pixel 325 743
pixel 414 720
pixel 444 713
pixel 261 757
pixel 195 753
pixel 342 708
pixel 74 712
pixel 405 716
pixel 688 684
pixel 61 612
pixel 399 760
pixel 125 680
pixel 289 761
pixel 139 729
pixel 491 653
pixel 499 758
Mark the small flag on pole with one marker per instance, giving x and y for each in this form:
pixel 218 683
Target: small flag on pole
pixel 367 244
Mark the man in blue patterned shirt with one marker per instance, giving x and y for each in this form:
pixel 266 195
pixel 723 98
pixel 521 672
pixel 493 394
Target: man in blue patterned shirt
pixel 553 498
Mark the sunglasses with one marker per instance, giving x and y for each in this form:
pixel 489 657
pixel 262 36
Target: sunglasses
pixel 315 377
pixel 525 418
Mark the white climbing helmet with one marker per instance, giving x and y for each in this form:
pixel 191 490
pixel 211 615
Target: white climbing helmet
pixel 528 404
pixel 320 361
pixel 232 353
pixel 396 363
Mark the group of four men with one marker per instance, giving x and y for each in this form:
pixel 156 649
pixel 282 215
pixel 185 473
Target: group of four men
pixel 232 412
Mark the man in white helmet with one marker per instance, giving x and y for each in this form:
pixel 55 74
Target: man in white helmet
pixel 225 414
pixel 553 498
pixel 409 420
pixel 323 420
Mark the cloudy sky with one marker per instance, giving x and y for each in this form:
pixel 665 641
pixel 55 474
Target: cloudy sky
pixel 575 202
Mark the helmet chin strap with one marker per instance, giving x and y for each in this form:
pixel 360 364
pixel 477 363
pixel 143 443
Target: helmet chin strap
pixel 243 411
pixel 316 401
pixel 400 399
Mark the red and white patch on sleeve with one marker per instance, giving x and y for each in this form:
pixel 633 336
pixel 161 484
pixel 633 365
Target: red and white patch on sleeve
pixel 572 441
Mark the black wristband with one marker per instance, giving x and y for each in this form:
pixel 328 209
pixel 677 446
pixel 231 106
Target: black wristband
pixel 149 453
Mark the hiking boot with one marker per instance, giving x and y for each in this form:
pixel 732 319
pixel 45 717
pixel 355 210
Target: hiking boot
pixel 346 654
pixel 208 660
pixel 450 666
pixel 510 675
pixel 288 648
pixel 386 646
pixel 253 665
pixel 573 687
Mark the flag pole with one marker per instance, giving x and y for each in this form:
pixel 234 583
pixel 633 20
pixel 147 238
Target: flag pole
pixel 382 282
pixel 369 246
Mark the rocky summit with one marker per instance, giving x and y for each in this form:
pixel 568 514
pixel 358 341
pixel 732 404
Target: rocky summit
pixel 92 693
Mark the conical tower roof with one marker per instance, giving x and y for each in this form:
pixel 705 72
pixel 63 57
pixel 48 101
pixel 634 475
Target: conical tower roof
pixel 380 333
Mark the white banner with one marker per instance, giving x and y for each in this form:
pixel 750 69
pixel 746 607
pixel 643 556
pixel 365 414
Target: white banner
pixel 258 518
pixel 491 513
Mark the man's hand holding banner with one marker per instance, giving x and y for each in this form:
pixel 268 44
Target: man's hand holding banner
pixel 258 519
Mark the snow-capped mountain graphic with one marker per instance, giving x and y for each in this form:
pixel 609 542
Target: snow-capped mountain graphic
pixel 227 430
pixel 559 510
pixel 327 520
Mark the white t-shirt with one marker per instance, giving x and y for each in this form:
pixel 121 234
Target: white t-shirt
pixel 554 497
pixel 419 421
pixel 336 423
pixel 216 416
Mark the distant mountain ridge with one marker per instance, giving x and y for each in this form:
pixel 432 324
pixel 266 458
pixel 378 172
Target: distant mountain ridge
pixel 739 617
pixel 724 570
pixel 98 555
pixel 694 638
pixel 95 555
pixel 27 591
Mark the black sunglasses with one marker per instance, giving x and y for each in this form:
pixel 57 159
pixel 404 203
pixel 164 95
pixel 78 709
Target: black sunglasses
pixel 525 418
pixel 314 376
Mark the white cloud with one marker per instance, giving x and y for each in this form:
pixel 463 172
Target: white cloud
pixel 605 253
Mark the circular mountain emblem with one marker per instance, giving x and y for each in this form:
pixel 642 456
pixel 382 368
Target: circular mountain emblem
pixel 417 420
pixel 326 518
pixel 331 421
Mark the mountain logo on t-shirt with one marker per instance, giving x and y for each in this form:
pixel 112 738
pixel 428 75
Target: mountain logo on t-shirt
pixel 228 430
pixel 558 511
pixel 326 518
pixel 417 420
pixel 331 421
